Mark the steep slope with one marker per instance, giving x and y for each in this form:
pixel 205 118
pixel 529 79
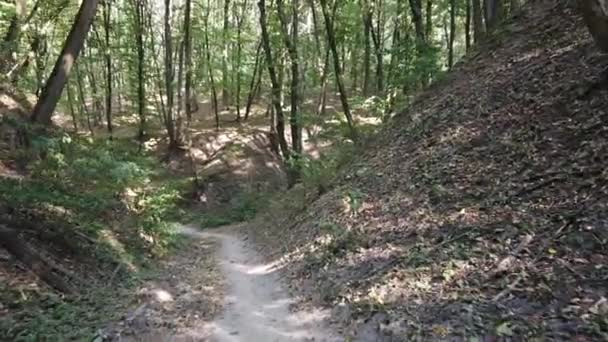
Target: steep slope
pixel 481 211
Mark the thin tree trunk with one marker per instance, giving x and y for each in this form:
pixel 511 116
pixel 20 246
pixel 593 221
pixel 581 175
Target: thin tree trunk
pixel 43 111
pixel 83 105
pixel 141 77
pixel 452 33
pixel 467 26
pixel 276 86
pixel 188 58
pixel 338 71
pixel 71 104
pixel 478 30
pixel 292 48
pixel 107 16
pixel 416 8
pixel 254 80
pixel 210 70
pixel 239 49
pixel 225 91
pixel 170 124
pixel 429 20
pixel 367 30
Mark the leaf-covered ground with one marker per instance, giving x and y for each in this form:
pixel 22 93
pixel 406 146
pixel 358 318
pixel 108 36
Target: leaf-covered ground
pixel 481 212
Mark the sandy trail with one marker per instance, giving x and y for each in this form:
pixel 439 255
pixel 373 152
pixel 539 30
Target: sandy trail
pixel 257 306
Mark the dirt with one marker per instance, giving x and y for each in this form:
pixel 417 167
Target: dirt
pixel 184 304
pixel 479 213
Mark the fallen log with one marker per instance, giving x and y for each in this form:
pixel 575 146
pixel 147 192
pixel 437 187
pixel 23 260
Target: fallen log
pixel 45 270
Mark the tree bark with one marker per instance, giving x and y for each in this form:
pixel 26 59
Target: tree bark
pixel 210 70
pixel 367 20
pixel 452 33
pixel 416 8
pixel 331 38
pixel 292 48
pixel 141 77
pixel 478 30
pixel 43 111
pixel 254 80
pixel 107 16
pixel 429 20
pixel 467 26
pixel 595 14
pixel 493 13
pixel 225 91
pixel 276 86
pixel 188 59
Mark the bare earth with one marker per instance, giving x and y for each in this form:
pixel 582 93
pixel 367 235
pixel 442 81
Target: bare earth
pixel 257 307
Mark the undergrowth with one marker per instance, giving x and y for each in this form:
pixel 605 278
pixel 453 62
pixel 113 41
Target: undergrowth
pixel 119 198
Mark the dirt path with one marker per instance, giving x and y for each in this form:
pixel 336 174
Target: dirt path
pixel 257 307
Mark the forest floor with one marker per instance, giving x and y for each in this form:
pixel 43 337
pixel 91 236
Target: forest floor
pixel 479 213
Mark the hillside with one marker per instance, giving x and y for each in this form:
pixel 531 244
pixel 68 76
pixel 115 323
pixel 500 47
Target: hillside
pixel 480 212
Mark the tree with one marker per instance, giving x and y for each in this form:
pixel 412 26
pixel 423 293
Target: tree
pixel 595 14
pixel 188 58
pixel 452 33
pixel 51 93
pixel 276 86
pixel 331 40
pixel 107 22
pixel 291 42
pixel 478 29
pixel 141 83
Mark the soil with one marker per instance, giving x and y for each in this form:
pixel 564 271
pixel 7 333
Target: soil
pixel 479 213
pixel 184 303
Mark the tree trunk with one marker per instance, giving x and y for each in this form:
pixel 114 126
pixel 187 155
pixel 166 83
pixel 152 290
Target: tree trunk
pixel 467 26
pixel 107 16
pixel 416 8
pixel 225 91
pixel 11 38
pixel 429 20
pixel 188 59
pixel 331 38
pixel 239 51
pixel 43 111
pixel 478 30
pixel 141 77
pixel 367 19
pixel 595 14
pixel 71 107
pixel 210 70
pixel 452 33
pixel 169 124
pixel 276 86
pixel 494 9
pixel 292 48
pixel 254 80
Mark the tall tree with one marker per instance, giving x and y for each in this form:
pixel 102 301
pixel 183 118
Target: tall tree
pixel 141 77
pixel 51 93
pixel 452 33
pixel 188 58
pixel 225 42
pixel 478 29
pixel 331 39
pixel 291 42
pixel 107 22
pixel 169 78
pixel 276 86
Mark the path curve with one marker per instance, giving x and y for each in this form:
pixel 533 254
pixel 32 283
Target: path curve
pixel 257 306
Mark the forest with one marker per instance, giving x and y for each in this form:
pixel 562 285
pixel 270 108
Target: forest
pixel 331 170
